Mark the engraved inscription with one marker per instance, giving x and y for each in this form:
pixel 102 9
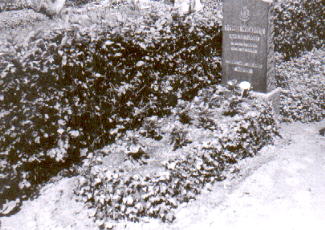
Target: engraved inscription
pixel 245 44
pixel 244 47
pixel 247 37
pixel 254 34
pixel 245 64
pixel 245 50
pixel 245 29
pixel 243 70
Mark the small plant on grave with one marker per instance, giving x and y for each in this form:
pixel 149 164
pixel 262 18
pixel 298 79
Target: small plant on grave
pixel 184 117
pixel 206 122
pixel 150 128
pixel 179 136
pixel 182 112
pixel 138 154
pixel 132 147
pixel 233 104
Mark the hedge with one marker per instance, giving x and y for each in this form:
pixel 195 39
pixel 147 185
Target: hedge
pixel 299 26
pixel 303 81
pixel 73 88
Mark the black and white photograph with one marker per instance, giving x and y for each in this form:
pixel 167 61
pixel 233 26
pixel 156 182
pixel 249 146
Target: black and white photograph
pixel 162 115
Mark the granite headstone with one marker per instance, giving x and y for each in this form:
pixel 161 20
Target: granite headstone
pixel 248 48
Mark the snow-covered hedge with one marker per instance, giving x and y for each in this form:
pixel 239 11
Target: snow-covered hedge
pixel 299 26
pixel 214 130
pixel 304 82
pixel 77 87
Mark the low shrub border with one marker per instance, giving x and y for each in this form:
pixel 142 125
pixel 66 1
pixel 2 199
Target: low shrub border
pixel 196 144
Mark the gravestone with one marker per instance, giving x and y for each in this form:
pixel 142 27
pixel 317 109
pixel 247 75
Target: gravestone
pixel 247 46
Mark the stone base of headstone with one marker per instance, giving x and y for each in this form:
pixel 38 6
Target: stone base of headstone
pixel 272 97
pixel 322 132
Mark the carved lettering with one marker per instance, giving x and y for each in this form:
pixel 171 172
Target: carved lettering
pixel 247 37
pixel 244 44
pixel 245 50
pixel 243 70
pixel 245 64
pixel 245 29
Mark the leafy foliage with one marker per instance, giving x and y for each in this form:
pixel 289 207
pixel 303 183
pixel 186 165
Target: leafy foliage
pixel 79 87
pixel 304 83
pixel 154 190
pixel 299 26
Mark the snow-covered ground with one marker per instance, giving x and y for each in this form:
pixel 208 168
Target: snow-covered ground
pixel 283 187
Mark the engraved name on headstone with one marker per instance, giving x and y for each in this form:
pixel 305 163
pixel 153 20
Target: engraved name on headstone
pixel 247 48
